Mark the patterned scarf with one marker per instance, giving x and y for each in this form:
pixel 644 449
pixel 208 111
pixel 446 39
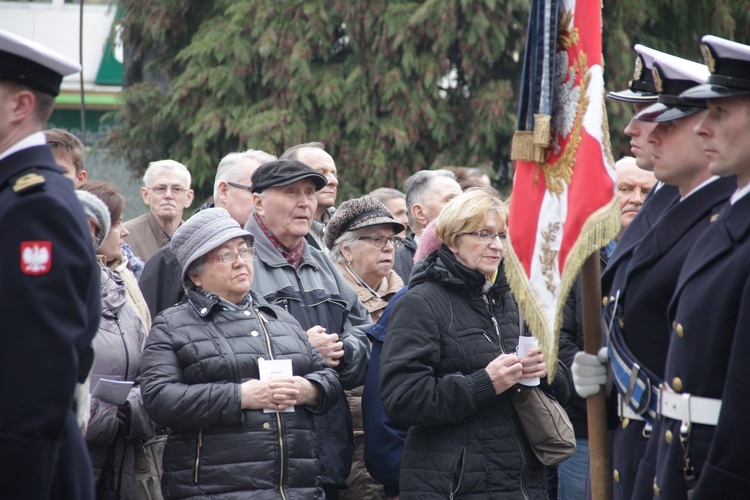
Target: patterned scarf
pixel 293 256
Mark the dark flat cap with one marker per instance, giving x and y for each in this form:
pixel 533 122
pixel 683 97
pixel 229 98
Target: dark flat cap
pixel 284 172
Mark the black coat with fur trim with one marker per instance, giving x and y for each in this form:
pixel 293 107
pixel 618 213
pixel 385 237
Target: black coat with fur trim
pixel 464 440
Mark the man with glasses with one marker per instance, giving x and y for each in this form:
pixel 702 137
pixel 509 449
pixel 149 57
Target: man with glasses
pixel 160 280
pixel 166 191
pixel 291 273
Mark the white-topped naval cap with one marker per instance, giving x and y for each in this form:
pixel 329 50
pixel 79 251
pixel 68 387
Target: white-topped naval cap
pixel 729 64
pixel 672 76
pixel 32 64
pixel 641 87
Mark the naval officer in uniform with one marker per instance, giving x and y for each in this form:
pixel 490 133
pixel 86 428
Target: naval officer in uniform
pixel 703 436
pixel 641 93
pixel 641 324
pixel 49 300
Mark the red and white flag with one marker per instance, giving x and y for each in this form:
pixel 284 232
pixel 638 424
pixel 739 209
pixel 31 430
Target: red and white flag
pixel 563 206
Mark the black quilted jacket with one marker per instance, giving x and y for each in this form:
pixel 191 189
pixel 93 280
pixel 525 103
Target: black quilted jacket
pixel 464 441
pixel 196 356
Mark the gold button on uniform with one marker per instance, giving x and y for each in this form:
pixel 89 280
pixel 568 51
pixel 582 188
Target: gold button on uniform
pixel 616 476
pixel 668 437
pixel 625 423
pixel 604 301
pixel 679 330
pixel 677 384
pixel 656 487
pixel 266 426
pixel 621 323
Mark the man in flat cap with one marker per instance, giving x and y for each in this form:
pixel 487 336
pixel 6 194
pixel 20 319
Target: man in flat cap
pixel 314 155
pixel 704 439
pixel 49 300
pixel 291 273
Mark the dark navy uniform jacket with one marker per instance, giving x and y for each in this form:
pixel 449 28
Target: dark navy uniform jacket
pixel 49 313
pixel 709 356
pixel 651 280
pixel 653 208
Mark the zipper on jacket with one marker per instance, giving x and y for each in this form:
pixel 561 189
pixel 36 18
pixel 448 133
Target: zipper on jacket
pixel 124 344
pixel 262 320
pixel 491 314
pixel 523 469
pixel 198 447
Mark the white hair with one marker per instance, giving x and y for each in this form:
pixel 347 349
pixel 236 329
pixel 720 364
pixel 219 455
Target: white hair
pixel 158 166
pixel 232 166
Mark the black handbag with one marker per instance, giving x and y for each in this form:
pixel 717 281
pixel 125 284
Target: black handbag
pixel 545 423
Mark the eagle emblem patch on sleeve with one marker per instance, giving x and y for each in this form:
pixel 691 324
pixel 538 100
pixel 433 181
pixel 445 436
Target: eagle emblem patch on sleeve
pixel 36 257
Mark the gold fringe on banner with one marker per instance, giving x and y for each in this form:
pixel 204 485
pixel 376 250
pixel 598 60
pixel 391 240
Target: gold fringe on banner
pixel 542 131
pixel 532 145
pixel 599 229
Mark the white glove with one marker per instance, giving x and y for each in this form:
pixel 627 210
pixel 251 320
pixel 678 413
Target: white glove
pixel 590 372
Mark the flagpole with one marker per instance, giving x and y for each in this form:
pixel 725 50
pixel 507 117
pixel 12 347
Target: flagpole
pixel 596 405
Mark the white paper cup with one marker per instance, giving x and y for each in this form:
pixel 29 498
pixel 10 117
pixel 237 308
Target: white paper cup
pixel 524 345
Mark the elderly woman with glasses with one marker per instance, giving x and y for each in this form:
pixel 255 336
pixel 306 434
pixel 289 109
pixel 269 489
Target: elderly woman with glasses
pixel 234 379
pixel 361 237
pixel 448 365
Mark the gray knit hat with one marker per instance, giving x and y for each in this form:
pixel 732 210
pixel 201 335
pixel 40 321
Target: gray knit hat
pixel 201 233
pixel 95 208
pixel 356 214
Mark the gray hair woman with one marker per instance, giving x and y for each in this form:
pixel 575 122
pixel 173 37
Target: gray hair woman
pixel 361 237
pixel 234 378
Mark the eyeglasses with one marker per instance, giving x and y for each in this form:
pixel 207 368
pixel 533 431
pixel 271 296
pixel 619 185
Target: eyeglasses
pixel 379 241
pixel 488 237
pixel 162 190
pixel 239 186
pixel 230 257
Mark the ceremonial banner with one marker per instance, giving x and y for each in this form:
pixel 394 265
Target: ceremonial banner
pixel 563 206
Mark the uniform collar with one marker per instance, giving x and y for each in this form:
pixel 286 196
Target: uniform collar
pixel 35 139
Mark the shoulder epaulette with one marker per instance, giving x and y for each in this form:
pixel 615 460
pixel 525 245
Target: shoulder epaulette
pixel 28 183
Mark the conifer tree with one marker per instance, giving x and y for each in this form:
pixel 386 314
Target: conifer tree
pixel 390 86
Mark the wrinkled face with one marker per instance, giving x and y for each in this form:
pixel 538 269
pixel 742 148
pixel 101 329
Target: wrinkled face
pixel 323 163
pixel 725 137
pixel 168 195
pixel 230 279
pixel 372 259
pixel 111 247
pixel 677 153
pixel 638 132
pixel 633 184
pixel 442 190
pixel 484 256
pixel 287 211
pixel 397 208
